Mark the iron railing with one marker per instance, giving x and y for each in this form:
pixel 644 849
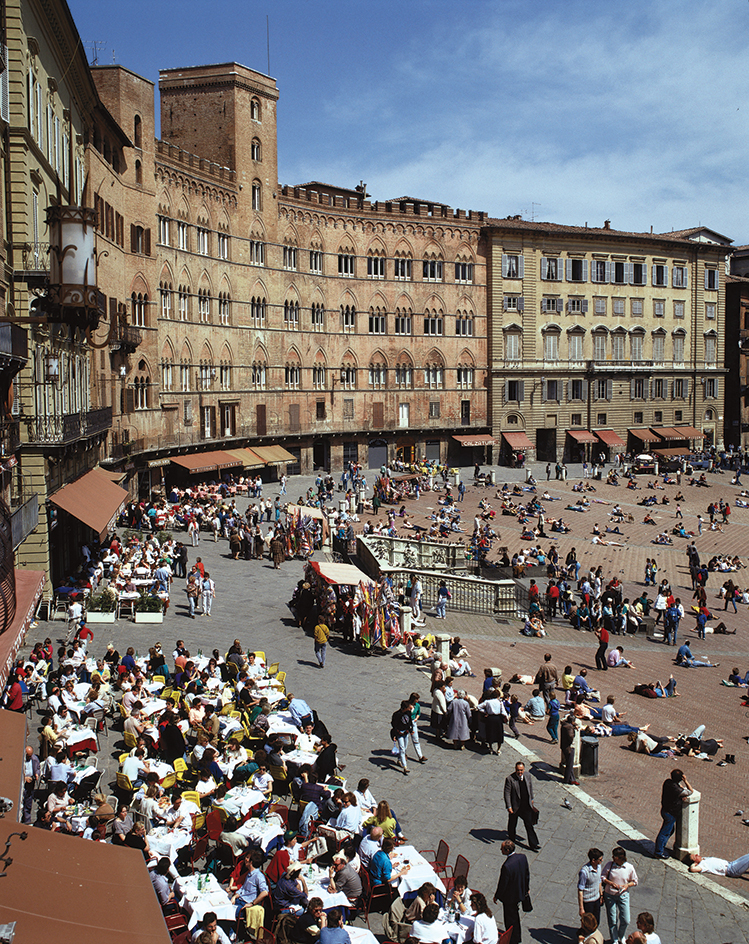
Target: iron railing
pixel 68 427
pixel 24 519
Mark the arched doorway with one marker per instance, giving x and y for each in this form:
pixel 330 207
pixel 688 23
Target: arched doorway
pixel 321 455
pixel 378 454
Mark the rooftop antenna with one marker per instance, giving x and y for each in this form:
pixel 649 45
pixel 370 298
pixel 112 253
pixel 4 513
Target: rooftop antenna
pixel 96 45
pixel 533 211
pixel 267 35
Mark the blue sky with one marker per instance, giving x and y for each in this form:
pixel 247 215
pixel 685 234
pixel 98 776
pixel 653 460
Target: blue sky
pixel 570 111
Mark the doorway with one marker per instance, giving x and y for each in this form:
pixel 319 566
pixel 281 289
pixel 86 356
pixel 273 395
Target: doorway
pixel 546 445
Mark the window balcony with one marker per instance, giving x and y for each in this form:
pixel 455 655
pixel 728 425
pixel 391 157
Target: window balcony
pixel 68 428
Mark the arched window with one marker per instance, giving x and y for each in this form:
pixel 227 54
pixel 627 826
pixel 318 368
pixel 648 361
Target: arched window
pixel 258 373
pixel 184 302
pixel 551 343
pixel 376 264
pixel 165 295
pixel 711 348
pixel 257 195
pixel 513 342
pixel 464 324
pixel 184 372
pixel 204 306
pixel 434 375
pixel 292 375
pixel 348 318
pixel 432 267
pixel 600 344
pixel 377 375
pixel 377 321
pixel 575 339
pixel 659 346
pixel 404 374
pixel 139 306
pixel 319 376
pixel 142 384
pixel 206 374
pixel 137 132
pixel 167 373
pixel 678 339
pixel 256 150
pixel 348 376
pixel 255 109
pixel 257 310
pixel 224 374
pixel 224 308
pixel 318 317
pixel 138 172
pixel 402 266
pixel 636 344
pixel 291 315
pixel 290 256
pixel 618 342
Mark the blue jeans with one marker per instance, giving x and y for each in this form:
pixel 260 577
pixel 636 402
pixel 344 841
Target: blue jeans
pixel 737 868
pixel 669 825
pixel 402 742
pixel 441 606
pixel 309 812
pixel 320 650
pixel 415 740
pixel 617 914
pixel 619 729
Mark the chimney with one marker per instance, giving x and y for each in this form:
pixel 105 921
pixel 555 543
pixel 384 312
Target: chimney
pixel 607 224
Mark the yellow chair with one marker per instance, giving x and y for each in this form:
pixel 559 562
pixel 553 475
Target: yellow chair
pixel 260 655
pixel 124 783
pixel 191 795
pixel 272 669
pixel 281 678
pixel 123 758
pixel 123 711
pixel 159 680
pixel 235 714
pixel 131 740
pixel 169 781
pixel 237 736
pixel 227 709
pixel 180 768
pixel 166 693
pixel 280 780
pixel 198 822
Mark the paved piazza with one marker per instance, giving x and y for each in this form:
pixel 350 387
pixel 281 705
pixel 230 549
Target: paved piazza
pixel 458 795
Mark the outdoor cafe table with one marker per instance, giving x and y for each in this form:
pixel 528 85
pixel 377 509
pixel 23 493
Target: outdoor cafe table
pixel 421 871
pixel 240 800
pixel 165 841
pixel 211 897
pixel 318 882
pixel 360 935
pixel 300 757
pixel 81 739
pixel 153 707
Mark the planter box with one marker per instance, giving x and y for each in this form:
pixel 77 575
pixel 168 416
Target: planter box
pixel 149 617
pixel 100 617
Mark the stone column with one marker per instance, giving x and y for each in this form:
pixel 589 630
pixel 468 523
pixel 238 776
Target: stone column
pixel 576 752
pixel 687 838
pixel 406 615
pixel 443 646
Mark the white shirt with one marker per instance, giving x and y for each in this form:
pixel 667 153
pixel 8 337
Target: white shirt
pixel 712 864
pixel 485 930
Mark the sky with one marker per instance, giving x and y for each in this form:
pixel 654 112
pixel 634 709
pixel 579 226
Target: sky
pixel 572 112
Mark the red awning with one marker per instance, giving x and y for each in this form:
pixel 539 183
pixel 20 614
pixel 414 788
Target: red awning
pixel 518 440
pixel 478 439
pixel 671 451
pixel 667 433
pixel 582 435
pixel 29 586
pixel 609 437
pixel 645 435
pixel 93 499
pixel 689 432
pixel 207 461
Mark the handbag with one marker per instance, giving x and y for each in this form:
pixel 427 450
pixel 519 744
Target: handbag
pixel 534 816
pixel 527 903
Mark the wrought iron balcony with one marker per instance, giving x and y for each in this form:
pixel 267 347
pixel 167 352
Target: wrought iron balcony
pixel 10 437
pixel 125 338
pixel 24 519
pixel 31 261
pixel 68 428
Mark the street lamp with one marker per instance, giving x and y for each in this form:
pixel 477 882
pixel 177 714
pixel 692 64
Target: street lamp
pixel 73 296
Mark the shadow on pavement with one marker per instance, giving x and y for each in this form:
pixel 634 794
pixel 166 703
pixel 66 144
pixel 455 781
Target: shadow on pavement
pixel 488 836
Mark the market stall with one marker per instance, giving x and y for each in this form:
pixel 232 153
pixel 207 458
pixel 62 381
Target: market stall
pixel 307 530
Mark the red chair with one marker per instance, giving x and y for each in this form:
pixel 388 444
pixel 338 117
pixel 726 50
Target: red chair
pixel 199 851
pixel 282 810
pixel 505 937
pixel 461 867
pixel 182 937
pixel 175 923
pixel 214 825
pixel 438 860
pixel 379 900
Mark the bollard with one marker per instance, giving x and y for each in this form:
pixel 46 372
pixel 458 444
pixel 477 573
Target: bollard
pixel 456 477
pixel 443 647
pixel 687 838
pixel 342 505
pixel 406 616
pixel 493 477
pixel 576 751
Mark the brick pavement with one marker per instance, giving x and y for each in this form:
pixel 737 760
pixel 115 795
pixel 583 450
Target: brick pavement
pixel 458 795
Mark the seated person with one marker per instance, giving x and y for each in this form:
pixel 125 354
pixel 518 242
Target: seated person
pixel 343 878
pixel 429 928
pixel 381 867
pixel 684 657
pixel 290 892
pixel 615 659
pixel 307 928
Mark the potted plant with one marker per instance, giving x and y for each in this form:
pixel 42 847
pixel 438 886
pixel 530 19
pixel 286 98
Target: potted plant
pixel 149 609
pixel 101 607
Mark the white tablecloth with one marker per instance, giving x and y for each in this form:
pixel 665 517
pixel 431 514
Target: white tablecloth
pixel 360 935
pixel 259 831
pixel 241 800
pixel 278 724
pixel 300 757
pixel 211 897
pixel 167 842
pixel 318 888
pixel 229 726
pixel 420 871
pixel 153 707
pixel 78 735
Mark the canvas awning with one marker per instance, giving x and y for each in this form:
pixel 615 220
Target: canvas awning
pixel 582 435
pixel 345 574
pixel 645 435
pixel 609 437
pixel 207 461
pixel 667 433
pixel 689 432
pixel 29 586
pixel 272 455
pixel 59 888
pixel 248 457
pixel 668 452
pixel 478 439
pixel 517 440
pixel 304 510
pixel 93 499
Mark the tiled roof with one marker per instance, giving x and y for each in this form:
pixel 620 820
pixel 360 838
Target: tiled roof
pixel 414 200
pixel 696 229
pixel 553 228
pixel 316 184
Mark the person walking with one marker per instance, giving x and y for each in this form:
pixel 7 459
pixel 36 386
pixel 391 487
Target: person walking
pixel 401 723
pixel 547 677
pixel 283 485
pixel 415 715
pixel 552 725
pixel 674 794
pixel 567 747
pixel 194 531
pixel 443 595
pixel 589 886
pixel 603 644
pixel 416 598
pixel 322 635
pixel 208 592
pixel 618 876
pixel 518 796
pixel 513 887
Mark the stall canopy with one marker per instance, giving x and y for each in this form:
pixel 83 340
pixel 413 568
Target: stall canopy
pixel 29 586
pixel 345 574
pixel 207 461
pixel 645 435
pixel 689 432
pixel 305 510
pixel 609 437
pixel 517 440
pixel 582 435
pixel 478 439
pixel 58 888
pixel 93 499
pixel 248 458
pixel 668 452
pixel 273 455
pixel 668 433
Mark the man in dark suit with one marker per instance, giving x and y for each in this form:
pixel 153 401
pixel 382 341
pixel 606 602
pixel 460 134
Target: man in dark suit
pixel 519 803
pixel 30 782
pixel 513 886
